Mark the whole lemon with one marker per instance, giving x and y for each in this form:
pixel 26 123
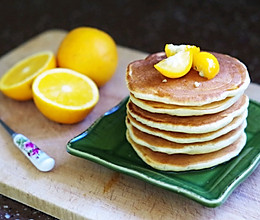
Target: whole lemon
pixel 89 51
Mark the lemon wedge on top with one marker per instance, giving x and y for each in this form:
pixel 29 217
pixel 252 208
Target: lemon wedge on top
pixel 180 59
pixel 171 49
pixel 177 65
pixel 206 64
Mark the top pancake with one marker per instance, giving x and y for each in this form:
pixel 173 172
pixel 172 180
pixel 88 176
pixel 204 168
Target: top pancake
pixel 147 83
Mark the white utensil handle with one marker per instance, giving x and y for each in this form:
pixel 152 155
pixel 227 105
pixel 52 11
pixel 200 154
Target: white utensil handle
pixel 39 159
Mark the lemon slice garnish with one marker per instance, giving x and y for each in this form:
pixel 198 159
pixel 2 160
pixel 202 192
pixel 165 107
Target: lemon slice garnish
pixel 180 58
pixel 177 65
pixel 171 49
pixel 206 64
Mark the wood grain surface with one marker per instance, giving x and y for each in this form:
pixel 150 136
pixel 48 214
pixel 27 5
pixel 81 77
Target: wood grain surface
pixel 80 189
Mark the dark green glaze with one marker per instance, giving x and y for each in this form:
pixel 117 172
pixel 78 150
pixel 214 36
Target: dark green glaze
pixel 105 143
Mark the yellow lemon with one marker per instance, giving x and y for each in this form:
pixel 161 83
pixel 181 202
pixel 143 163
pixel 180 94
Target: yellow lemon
pixel 207 64
pixel 89 51
pixel 64 95
pixel 171 49
pixel 16 83
pixel 175 66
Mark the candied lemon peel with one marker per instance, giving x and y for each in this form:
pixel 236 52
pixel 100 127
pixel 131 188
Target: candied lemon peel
pixel 181 58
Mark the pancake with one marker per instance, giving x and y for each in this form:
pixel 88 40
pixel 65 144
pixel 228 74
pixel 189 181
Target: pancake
pixel 161 145
pixel 179 137
pixel 189 124
pixel 147 83
pixel 185 162
pixel 158 107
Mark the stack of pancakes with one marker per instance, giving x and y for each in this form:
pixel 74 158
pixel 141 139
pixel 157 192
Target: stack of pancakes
pixel 190 122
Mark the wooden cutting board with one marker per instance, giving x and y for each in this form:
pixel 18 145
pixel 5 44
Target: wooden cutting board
pixel 80 189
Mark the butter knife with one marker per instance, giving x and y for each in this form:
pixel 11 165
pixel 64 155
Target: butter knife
pixel 39 159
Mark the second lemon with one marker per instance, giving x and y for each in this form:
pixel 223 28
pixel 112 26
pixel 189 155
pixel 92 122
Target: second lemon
pixel 89 51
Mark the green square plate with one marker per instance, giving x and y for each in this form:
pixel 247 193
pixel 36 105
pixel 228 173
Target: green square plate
pixel 105 143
